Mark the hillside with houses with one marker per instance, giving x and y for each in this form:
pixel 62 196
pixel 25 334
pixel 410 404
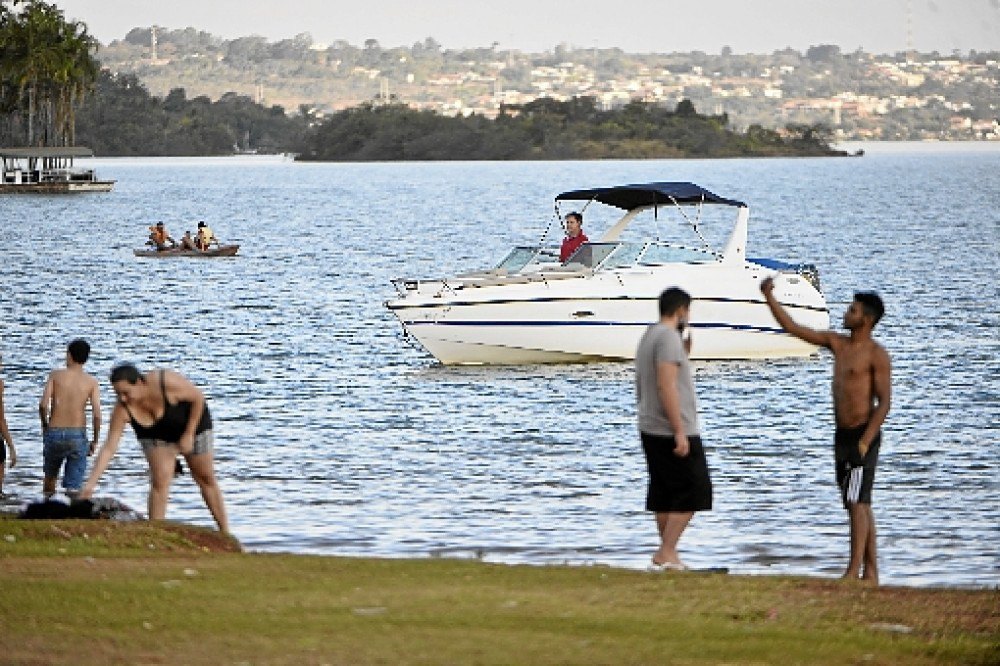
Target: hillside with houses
pixel 857 95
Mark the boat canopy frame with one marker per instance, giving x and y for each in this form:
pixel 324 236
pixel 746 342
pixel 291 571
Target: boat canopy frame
pixel 645 195
pixel 638 197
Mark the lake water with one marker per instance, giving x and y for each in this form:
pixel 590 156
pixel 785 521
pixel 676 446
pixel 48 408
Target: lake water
pixel 334 436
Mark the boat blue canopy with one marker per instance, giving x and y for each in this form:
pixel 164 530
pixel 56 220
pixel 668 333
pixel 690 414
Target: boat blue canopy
pixel 629 197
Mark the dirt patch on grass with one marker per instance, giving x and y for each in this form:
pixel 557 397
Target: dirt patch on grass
pixel 937 611
pixel 204 539
pixel 140 535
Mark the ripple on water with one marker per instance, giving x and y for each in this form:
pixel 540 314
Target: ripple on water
pixel 335 436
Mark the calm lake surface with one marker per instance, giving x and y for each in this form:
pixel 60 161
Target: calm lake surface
pixel 334 436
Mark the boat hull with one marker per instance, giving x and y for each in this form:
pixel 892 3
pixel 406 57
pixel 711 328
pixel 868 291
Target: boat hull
pixel 61 187
pixel 223 251
pixel 603 316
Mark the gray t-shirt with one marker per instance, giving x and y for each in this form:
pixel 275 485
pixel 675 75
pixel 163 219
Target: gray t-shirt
pixel 662 344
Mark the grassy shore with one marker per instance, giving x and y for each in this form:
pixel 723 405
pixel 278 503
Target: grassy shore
pixel 101 592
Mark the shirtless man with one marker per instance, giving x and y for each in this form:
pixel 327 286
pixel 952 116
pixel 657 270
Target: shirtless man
pixel 861 397
pixel 64 421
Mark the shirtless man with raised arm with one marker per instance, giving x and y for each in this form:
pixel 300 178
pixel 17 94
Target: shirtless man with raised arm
pixel 861 397
pixel 63 411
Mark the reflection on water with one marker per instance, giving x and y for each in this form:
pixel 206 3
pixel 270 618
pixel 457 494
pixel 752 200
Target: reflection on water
pixel 335 436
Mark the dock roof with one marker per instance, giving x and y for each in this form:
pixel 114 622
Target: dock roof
pixel 65 151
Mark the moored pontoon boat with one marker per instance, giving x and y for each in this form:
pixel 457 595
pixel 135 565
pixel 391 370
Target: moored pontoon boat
pixel 48 171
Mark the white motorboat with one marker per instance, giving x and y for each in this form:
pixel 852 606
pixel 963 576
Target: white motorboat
pixel 531 308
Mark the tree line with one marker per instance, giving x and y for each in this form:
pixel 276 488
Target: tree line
pixel 548 129
pixel 121 118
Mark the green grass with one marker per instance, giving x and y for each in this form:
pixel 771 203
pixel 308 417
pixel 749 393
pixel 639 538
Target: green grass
pixel 165 594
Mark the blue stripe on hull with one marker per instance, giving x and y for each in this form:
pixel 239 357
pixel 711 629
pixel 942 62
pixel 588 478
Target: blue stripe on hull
pixel 536 324
pixel 557 299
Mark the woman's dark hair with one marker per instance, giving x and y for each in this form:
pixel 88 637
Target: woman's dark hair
pixel 126 372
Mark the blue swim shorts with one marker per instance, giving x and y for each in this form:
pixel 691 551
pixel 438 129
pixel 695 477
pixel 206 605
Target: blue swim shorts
pixel 67 445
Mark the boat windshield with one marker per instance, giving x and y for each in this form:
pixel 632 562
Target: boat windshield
pixel 517 259
pixel 606 256
pixel 591 255
pixel 667 253
pixel 623 256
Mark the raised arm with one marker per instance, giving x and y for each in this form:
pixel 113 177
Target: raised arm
pixel 810 335
pixel 118 419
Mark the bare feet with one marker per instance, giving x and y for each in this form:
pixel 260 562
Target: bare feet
pixel 864 580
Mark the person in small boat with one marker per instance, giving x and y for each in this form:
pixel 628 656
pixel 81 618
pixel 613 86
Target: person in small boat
pixel 170 417
pixel 206 237
pixel 159 237
pixel 188 242
pixel 574 236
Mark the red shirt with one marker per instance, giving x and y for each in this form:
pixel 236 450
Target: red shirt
pixel 570 244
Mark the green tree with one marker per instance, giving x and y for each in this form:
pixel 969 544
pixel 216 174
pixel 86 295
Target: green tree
pixel 546 128
pixel 46 70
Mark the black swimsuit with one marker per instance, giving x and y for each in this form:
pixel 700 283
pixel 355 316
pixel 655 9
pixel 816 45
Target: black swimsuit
pixel 173 423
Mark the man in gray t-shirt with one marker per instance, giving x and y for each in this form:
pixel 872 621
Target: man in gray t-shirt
pixel 679 482
pixel 663 344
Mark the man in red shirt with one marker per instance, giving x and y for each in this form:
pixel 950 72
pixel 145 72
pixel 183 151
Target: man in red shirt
pixel 574 236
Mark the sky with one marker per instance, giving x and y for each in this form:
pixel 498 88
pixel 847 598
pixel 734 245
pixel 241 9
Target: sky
pixel 636 26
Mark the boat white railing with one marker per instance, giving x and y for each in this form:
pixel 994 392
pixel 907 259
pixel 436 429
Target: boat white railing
pixel 530 264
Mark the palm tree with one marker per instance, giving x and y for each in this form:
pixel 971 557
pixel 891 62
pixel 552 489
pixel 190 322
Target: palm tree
pixel 75 76
pixel 46 70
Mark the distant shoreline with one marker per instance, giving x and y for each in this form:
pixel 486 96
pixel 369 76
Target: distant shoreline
pixel 870 148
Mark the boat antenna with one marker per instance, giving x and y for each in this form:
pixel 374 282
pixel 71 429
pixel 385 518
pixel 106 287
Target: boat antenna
pixel 656 216
pixel 693 225
pixel 558 218
pixel 656 220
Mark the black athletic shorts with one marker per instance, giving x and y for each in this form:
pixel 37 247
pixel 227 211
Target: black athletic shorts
pixel 855 475
pixel 676 484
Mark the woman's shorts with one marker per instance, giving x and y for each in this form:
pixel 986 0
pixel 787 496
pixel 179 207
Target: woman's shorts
pixel 204 442
pixel 676 484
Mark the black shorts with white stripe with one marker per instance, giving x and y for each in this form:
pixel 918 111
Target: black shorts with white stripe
pixel 855 474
